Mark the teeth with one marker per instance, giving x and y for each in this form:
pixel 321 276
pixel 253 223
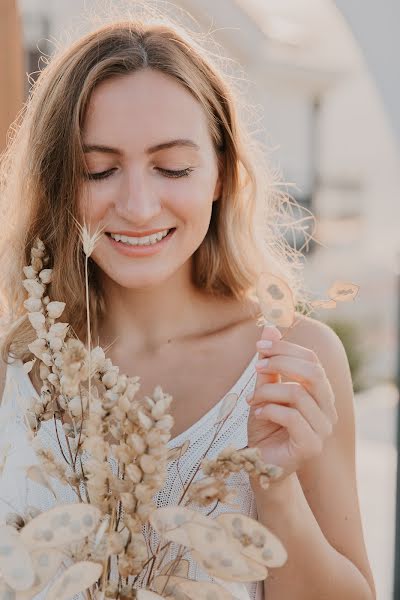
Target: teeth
pixel 147 240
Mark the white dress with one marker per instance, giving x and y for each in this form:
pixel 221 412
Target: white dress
pixel 17 491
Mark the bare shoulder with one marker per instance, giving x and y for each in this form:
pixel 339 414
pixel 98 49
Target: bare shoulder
pixel 322 340
pixel 329 350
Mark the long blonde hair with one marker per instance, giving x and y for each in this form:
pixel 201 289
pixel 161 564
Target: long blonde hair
pixel 43 167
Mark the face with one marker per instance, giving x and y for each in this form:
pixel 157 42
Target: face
pixel 153 177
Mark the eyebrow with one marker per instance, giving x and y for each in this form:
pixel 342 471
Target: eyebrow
pixel 163 146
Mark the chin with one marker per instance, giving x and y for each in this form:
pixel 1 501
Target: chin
pixel 138 279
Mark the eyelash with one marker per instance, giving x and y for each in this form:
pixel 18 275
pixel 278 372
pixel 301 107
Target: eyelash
pixel 166 172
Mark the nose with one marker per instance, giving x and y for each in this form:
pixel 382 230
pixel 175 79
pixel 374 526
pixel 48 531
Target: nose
pixel 138 201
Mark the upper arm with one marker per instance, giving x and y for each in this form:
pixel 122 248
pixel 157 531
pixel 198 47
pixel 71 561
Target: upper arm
pixel 329 480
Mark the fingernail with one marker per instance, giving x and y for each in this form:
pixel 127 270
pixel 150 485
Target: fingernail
pixel 275 328
pixel 249 398
pixel 261 364
pixel 264 344
pixel 257 411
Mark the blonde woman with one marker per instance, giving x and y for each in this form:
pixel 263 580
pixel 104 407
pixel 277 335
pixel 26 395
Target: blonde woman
pixel 133 130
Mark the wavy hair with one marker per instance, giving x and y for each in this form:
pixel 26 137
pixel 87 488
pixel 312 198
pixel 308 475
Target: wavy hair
pixel 43 167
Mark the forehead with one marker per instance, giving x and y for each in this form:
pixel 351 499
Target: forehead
pixel 142 108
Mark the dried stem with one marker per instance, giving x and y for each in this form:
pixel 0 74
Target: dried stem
pixel 80 430
pixel 59 442
pixel 175 563
pixel 88 334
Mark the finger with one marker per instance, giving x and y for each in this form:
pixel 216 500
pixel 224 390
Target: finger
pixel 294 395
pixel 269 348
pixel 272 334
pixel 311 375
pixel 301 434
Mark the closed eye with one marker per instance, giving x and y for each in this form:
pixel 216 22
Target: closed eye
pixel 100 175
pixel 181 173
pixel 166 172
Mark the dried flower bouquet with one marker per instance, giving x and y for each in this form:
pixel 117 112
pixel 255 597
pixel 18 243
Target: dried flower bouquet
pixel 114 456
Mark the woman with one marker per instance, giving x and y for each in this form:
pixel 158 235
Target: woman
pixel 134 131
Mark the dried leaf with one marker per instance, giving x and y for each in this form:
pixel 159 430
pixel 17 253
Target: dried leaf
pixel 58 330
pixel 182 588
pixel 178 451
pixel 61 525
pixel 323 303
pixel 37 347
pixel 342 291
pixel 203 590
pixel 101 531
pixel 15 563
pixel 37 474
pixel 215 550
pixel 276 300
pixel 168 522
pixel 29 272
pixel 226 561
pixel 37 319
pixel 238 590
pixel 187 527
pixel 180 568
pixel 148 595
pixel 258 543
pixel 28 366
pixel 33 304
pixel 169 585
pixel 75 579
pixel 46 563
pixel 227 406
pixel 34 288
pixel 145 421
pixel 55 309
pixel 45 275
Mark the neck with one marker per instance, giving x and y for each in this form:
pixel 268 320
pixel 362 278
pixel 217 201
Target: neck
pixel 143 320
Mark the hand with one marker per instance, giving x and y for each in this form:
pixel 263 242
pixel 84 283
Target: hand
pixel 289 422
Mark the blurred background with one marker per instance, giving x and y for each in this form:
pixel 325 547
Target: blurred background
pixel 325 78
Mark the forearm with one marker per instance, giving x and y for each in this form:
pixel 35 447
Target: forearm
pixel 314 569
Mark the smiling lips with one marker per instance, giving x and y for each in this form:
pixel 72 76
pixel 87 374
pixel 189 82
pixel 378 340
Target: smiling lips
pixel 141 245
pixel 140 240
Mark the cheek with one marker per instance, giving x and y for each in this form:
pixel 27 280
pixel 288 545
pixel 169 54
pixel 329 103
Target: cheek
pixel 192 201
pixel 194 213
pixel 94 206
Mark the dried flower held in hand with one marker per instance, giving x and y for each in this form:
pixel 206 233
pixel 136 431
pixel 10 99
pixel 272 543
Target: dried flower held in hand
pixel 230 460
pixel 276 300
pixel 209 490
